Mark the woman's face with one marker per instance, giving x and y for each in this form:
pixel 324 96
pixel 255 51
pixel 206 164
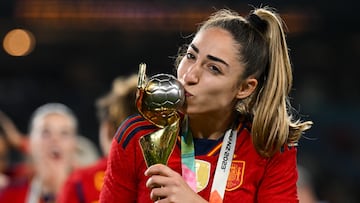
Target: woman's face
pixel 53 140
pixel 210 73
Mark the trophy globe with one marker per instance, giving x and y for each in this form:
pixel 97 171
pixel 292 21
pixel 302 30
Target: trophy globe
pixel 158 100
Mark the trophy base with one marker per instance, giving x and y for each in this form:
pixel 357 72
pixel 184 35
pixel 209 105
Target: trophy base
pixel 158 146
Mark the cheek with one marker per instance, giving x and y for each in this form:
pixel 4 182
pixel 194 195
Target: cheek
pixel 38 150
pixel 225 94
pixel 37 143
pixel 69 150
pixel 69 143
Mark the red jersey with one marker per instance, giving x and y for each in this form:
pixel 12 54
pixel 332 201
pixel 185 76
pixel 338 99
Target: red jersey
pixel 16 192
pixel 252 178
pixel 19 192
pixel 84 185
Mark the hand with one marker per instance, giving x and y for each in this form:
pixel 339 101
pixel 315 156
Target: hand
pixel 168 186
pixel 12 134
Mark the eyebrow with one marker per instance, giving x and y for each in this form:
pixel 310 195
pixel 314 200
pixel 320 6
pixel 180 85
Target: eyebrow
pixel 213 58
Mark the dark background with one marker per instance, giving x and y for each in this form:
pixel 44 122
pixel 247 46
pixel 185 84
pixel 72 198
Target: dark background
pixel 81 46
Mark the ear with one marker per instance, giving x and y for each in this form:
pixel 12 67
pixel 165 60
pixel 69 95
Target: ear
pixel 246 88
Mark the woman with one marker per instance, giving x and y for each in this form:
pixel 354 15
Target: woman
pixel 237 75
pixel 52 145
pixel 84 184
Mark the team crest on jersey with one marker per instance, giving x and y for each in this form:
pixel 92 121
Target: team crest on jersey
pixel 99 179
pixel 202 174
pixel 236 175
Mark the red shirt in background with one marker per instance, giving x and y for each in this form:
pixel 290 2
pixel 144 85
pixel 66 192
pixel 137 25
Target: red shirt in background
pixel 19 191
pixel 16 192
pixel 84 185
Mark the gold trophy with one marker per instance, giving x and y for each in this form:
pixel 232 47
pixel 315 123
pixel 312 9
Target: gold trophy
pixel 158 99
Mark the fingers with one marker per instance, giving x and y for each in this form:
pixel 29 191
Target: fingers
pixel 158 193
pixel 159 169
pixel 159 175
pixel 157 182
pixel 165 184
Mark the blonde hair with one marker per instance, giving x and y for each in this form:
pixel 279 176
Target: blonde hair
pixel 119 103
pixel 51 108
pixel 264 53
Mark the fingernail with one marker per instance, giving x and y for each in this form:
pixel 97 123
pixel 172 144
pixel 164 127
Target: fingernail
pixel 145 172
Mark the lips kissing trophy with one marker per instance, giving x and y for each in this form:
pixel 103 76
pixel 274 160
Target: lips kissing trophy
pixel 158 99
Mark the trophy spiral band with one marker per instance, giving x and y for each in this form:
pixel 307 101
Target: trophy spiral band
pixel 158 100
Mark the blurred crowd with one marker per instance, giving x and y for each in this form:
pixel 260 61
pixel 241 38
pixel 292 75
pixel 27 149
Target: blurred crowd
pixel 57 164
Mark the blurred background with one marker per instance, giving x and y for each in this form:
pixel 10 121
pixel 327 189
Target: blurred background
pixel 70 52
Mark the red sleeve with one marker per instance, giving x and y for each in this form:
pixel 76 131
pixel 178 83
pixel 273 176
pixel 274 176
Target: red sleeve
pixel 121 176
pixel 68 193
pixel 279 182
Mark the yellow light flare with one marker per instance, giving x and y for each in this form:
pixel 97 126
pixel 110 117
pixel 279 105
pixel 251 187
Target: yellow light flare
pixel 19 42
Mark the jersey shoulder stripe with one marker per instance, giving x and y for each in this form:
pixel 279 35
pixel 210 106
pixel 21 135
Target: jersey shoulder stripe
pixel 124 125
pixel 131 127
pixel 132 133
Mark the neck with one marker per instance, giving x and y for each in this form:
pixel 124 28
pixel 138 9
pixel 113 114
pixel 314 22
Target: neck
pixel 44 186
pixel 210 126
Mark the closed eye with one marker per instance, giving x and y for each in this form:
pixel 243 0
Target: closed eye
pixel 215 69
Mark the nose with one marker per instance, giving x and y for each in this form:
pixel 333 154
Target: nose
pixel 56 137
pixel 192 74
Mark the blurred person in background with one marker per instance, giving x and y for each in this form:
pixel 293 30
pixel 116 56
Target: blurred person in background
pixel 86 151
pixel 4 161
pixel 52 147
pixel 84 185
pixel 11 138
pixel 15 138
pixel 305 187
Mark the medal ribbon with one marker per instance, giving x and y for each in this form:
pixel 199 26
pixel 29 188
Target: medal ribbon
pixel 222 167
pixel 34 193
pixel 188 155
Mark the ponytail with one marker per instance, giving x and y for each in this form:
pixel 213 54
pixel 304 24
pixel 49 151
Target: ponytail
pixel 273 125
